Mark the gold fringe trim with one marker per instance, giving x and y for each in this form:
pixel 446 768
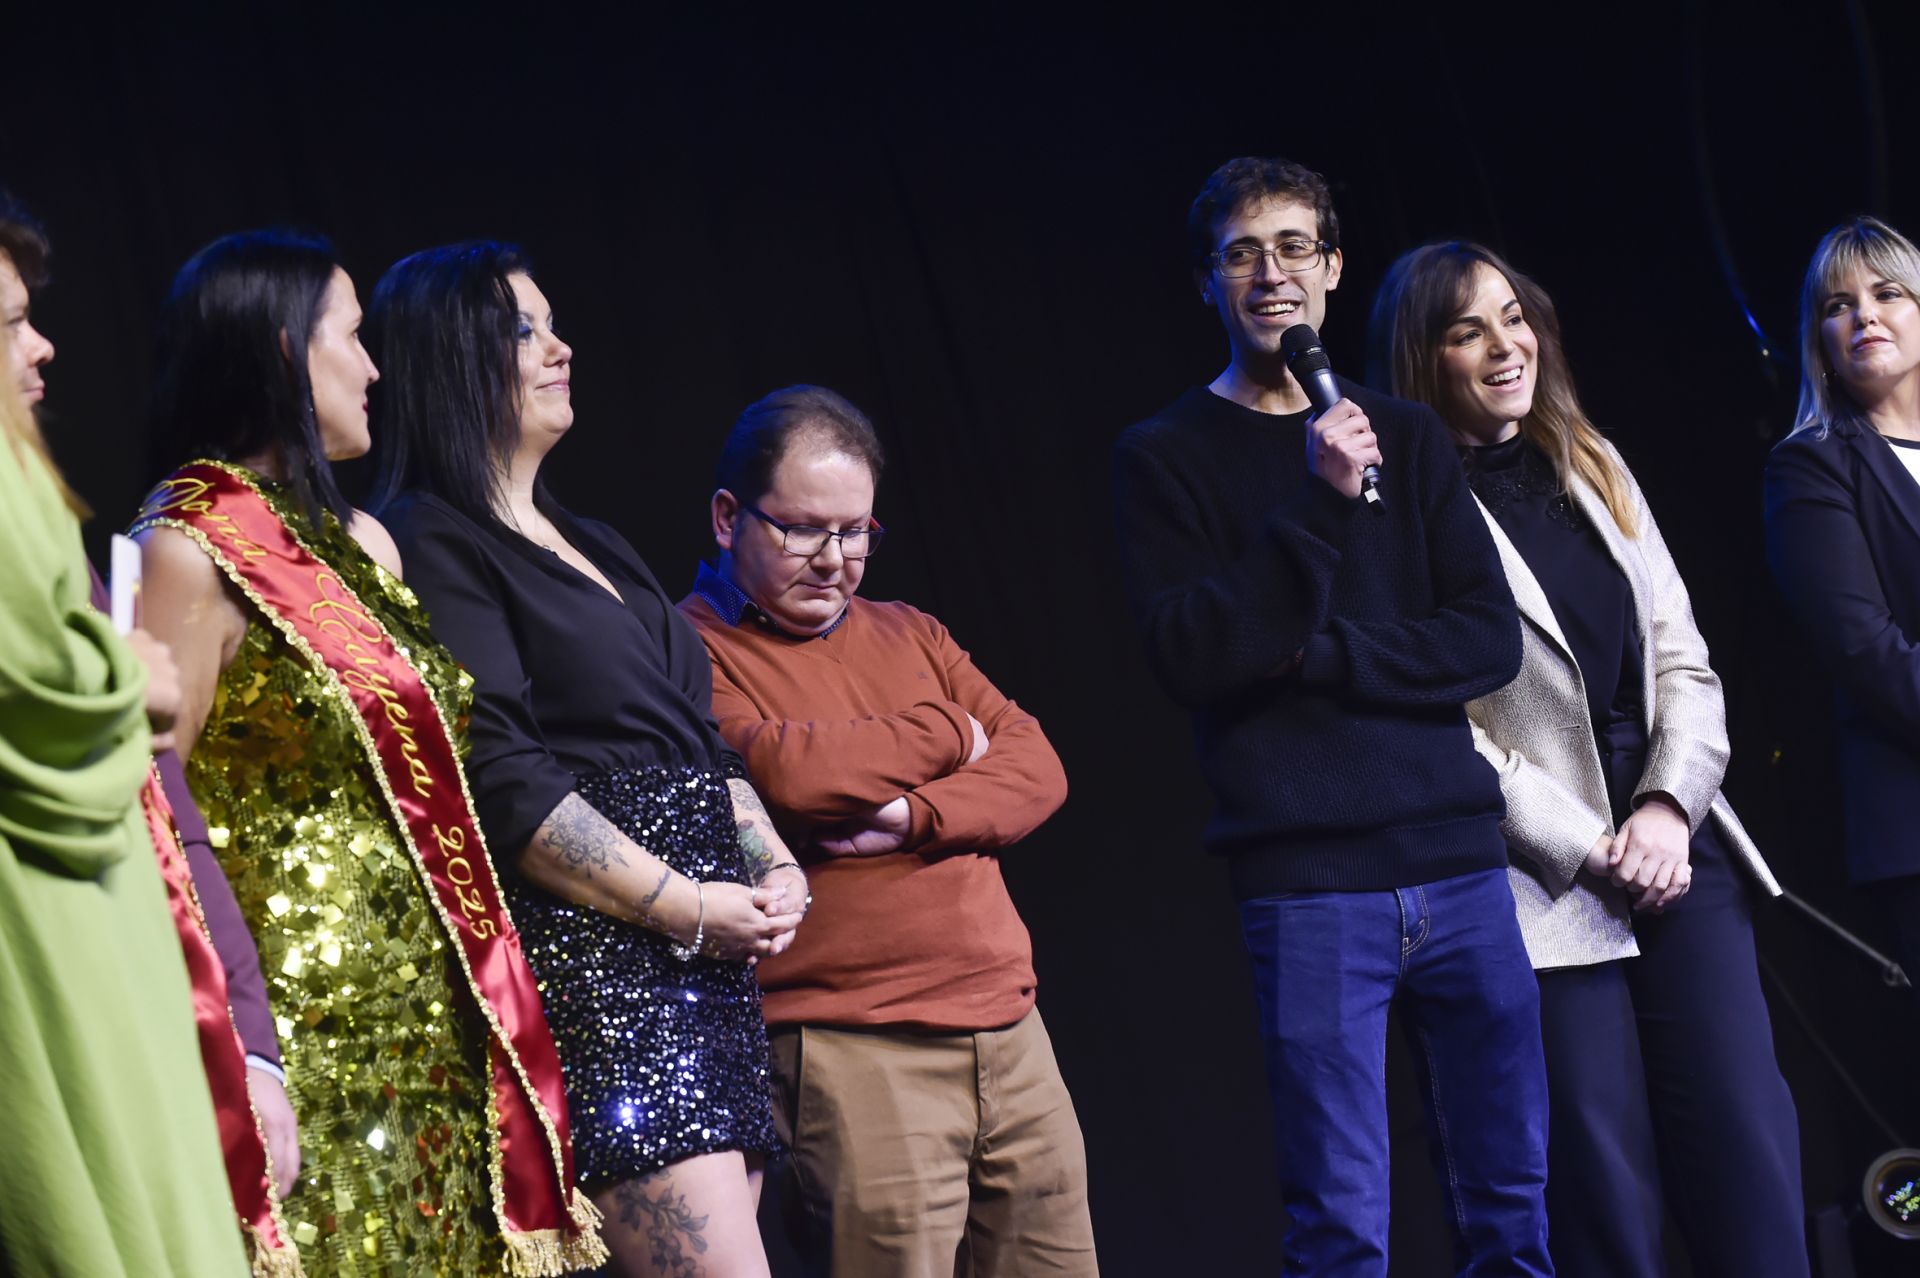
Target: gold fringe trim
pixel 585 1249
pixel 550 1253
pixel 273 1262
pixel 584 1213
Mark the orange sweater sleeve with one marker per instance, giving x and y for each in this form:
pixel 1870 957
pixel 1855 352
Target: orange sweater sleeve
pixel 1007 793
pixel 813 772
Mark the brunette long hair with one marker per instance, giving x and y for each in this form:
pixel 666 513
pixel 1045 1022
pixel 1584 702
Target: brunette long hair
pixel 232 379
pixel 446 414
pixel 1424 292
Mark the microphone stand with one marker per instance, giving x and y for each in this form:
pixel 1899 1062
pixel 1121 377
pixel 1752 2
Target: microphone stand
pixel 1886 1191
pixel 1891 973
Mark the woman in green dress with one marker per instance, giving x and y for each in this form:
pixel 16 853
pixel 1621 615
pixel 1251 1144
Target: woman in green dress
pixel 321 723
pixel 112 1163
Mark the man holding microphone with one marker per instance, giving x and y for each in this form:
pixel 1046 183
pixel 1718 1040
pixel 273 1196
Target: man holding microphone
pixel 1326 653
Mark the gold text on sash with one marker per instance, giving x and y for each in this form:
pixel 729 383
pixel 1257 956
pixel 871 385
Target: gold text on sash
pixel 351 630
pixel 187 495
pixel 460 874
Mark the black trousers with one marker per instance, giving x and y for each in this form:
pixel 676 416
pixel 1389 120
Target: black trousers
pixel 1662 1084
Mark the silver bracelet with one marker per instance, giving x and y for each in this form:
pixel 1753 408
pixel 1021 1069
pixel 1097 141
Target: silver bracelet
pixel 792 865
pixel 687 953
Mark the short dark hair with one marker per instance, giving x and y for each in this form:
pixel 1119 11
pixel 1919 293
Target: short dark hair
pixel 23 241
pixel 766 431
pixel 443 326
pixel 227 387
pixel 1251 180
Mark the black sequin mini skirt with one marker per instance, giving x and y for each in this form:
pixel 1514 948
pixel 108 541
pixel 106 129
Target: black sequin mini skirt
pixel 663 1059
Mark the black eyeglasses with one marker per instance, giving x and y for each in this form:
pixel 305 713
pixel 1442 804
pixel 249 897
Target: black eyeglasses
pixel 807 541
pixel 1237 261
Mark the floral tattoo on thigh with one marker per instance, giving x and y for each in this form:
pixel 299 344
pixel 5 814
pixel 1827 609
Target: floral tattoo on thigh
pixel 667 1223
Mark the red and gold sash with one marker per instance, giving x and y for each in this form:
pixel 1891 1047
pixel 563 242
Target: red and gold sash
pixel 548 1224
pixel 249 1167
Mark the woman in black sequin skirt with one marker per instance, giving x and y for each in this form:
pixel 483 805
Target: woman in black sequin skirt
pixel 665 1058
pixel 644 875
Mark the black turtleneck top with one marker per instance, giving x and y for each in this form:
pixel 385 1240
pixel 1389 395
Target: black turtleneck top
pixel 1589 595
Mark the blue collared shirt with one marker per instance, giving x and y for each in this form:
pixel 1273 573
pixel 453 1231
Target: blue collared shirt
pixel 731 605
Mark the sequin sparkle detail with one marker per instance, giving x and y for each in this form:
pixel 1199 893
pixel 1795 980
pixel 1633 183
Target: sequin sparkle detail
pixel 384 1056
pixel 663 1059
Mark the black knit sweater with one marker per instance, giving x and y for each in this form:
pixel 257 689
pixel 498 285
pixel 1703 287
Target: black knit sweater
pixel 1326 652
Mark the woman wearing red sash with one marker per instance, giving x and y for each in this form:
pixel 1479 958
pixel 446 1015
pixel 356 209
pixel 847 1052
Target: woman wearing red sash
pixel 644 871
pixel 320 720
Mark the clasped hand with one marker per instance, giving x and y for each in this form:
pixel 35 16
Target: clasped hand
pixel 1648 857
pixel 750 923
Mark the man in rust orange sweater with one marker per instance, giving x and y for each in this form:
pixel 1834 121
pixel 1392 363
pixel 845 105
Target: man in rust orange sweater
pixel 913 1077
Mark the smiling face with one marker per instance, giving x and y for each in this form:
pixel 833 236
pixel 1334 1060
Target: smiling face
pixel 1257 309
pixel 1870 332
pixel 546 369
pixel 28 351
pixel 340 370
pixel 1489 361
pixel 811 485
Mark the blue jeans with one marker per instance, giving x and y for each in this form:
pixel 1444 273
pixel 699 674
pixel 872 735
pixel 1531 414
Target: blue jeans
pixel 1326 967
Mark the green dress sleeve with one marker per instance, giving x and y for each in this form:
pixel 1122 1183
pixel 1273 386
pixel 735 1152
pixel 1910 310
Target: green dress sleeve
pixel 112 1164
pixel 73 731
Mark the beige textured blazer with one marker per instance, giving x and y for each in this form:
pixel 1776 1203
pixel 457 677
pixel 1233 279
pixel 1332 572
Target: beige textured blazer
pixel 1538 735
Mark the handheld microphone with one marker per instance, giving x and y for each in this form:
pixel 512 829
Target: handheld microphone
pixel 1314 371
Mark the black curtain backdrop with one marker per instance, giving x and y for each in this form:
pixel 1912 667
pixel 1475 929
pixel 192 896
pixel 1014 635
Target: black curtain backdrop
pixel 975 232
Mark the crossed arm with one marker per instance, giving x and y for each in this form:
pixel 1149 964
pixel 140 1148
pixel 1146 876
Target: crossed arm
pixel 981 774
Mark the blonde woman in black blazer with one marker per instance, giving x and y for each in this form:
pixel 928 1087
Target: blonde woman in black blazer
pixel 1631 875
pixel 1843 536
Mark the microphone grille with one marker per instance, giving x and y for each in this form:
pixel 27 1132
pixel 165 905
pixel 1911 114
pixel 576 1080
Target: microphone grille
pixel 1298 340
pixel 1301 346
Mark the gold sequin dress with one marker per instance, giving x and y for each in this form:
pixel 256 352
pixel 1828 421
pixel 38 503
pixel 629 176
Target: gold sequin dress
pixel 385 1058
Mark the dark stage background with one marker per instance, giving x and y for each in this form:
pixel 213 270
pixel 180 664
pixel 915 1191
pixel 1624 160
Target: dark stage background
pixel 976 234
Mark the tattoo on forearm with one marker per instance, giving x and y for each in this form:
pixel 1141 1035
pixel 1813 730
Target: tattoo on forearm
pixel 646 902
pixel 750 814
pixel 754 844
pixel 581 839
pixel 746 800
pixel 667 1223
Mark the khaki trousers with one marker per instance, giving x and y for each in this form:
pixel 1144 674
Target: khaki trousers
pixel 931 1155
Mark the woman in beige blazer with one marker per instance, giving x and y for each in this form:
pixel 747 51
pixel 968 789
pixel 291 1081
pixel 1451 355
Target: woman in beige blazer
pixel 1631 875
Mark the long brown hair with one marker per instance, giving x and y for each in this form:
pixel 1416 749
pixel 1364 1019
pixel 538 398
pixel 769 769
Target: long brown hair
pixel 22 433
pixel 1424 292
